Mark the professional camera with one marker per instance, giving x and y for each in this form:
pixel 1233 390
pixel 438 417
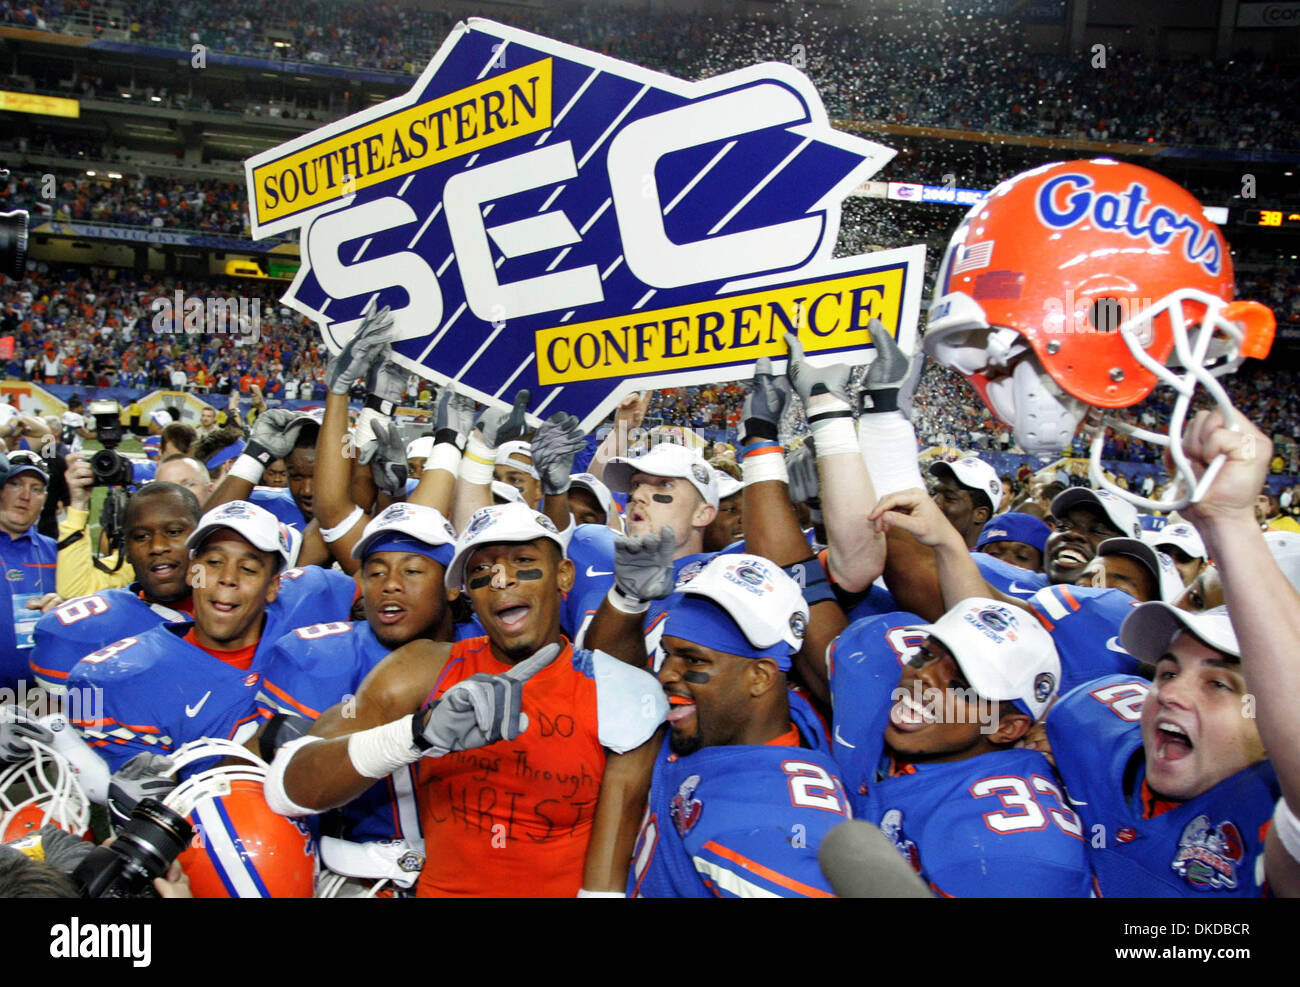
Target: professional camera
pixel 144 849
pixel 111 468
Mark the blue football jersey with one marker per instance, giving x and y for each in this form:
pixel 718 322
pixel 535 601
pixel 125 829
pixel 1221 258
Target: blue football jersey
pixel 992 826
pixel 864 665
pixel 1002 576
pixel 1084 624
pixel 1208 846
pixel 738 822
pixel 967 827
pixel 156 691
pixel 279 502
pixel 84 624
pixel 309 670
pixel 74 629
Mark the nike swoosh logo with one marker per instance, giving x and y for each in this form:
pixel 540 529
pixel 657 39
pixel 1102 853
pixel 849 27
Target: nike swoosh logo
pixel 592 572
pixel 1114 645
pixel 1016 589
pixel 1074 801
pixel 193 711
pixel 841 740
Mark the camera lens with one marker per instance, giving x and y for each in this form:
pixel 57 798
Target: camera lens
pixel 145 847
pixel 13 243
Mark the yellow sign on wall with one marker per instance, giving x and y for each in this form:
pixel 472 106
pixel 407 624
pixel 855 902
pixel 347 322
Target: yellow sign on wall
pixel 50 106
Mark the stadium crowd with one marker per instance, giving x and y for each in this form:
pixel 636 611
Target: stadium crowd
pixel 862 73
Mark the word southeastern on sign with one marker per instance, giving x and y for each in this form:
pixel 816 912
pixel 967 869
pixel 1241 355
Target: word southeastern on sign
pixel 540 216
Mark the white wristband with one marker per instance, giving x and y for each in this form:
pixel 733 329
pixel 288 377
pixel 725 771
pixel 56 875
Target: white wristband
pixel 1287 828
pixel 477 464
pixel 379 751
pixel 623 603
pixel 835 436
pixel 247 468
pixel 763 468
pixel 445 456
pixel 584 893
pixel 888 444
pixel 273 787
pixel 333 534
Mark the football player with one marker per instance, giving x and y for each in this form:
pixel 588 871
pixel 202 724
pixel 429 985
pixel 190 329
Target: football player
pixel 1171 781
pixel 28 557
pixel 513 732
pixel 926 722
pixel 169 683
pixel 160 519
pixel 404 553
pixel 743 789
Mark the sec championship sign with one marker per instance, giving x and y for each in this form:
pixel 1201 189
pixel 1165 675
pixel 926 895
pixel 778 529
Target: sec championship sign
pixel 541 216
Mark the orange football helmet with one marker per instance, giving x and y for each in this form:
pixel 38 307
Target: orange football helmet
pixel 42 789
pixel 241 848
pixel 1084 284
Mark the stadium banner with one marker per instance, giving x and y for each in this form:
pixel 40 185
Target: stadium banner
pixel 1274 15
pixel 144 234
pixel 539 216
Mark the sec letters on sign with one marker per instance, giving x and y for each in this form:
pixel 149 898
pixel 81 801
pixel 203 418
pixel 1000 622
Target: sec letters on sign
pixel 582 227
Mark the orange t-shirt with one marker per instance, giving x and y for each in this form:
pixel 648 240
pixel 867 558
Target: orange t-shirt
pixel 240 658
pixel 513 819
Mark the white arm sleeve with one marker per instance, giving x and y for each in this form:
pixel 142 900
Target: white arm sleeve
pixel 273 788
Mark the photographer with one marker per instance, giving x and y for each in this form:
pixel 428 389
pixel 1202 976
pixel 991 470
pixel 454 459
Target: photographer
pixel 77 574
pixel 28 558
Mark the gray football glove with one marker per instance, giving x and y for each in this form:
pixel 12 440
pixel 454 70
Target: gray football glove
pixel 386 455
pixel 273 435
pixel 892 378
pixel 144 776
pixel 453 417
pixel 354 360
pixel 764 404
pixel 555 445
pixel 498 425
pixel 809 381
pixel 17 728
pixel 805 487
pixel 480 710
pixel 643 568
pixel 386 383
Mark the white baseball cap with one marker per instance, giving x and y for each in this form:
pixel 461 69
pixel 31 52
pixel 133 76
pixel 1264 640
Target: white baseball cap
pixel 1169 584
pixel 1285 548
pixel 161 417
pixel 1149 630
pixel 728 485
pixel 406 521
pixel 1120 513
pixel 598 490
pixel 665 459
pixel 765 605
pixel 506 492
pixel 420 448
pixel 256 525
pixel 1182 536
pixel 1003 651
pixel 516 448
pixel 499 523
pixel 974 474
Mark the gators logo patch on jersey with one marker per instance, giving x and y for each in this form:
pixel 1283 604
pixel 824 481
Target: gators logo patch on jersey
pixel 685 808
pixel 1208 856
pixel 891 824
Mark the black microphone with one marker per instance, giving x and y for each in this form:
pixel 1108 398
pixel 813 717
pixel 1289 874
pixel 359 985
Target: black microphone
pixel 861 862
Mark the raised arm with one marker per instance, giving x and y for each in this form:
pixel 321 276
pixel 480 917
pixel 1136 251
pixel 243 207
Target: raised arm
pixel 494 426
pixel 1262 603
pixel 772 528
pixel 624 790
